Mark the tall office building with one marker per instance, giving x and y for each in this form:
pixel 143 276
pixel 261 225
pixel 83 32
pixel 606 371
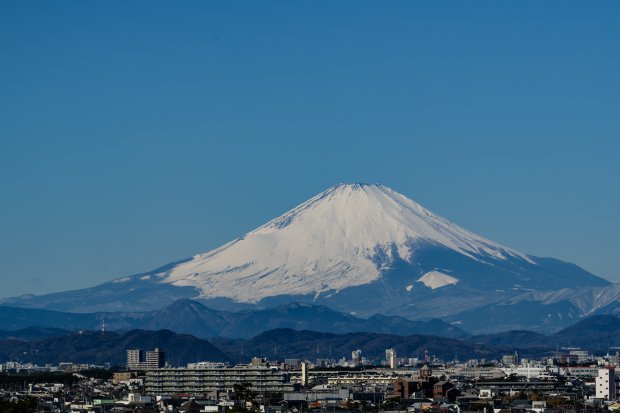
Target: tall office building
pixel 135 359
pixel 155 359
pixel 304 373
pixel 390 356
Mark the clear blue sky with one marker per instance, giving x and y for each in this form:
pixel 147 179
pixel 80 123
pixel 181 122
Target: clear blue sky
pixel 137 133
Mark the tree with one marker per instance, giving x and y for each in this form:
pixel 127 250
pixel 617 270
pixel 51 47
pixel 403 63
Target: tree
pixel 244 391
pixel 26 405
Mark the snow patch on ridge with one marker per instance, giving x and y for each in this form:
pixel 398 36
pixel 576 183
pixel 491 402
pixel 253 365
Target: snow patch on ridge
pixel 436 279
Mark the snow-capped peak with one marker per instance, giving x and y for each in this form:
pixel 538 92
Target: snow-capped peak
pixel 375 215
pixel 328 243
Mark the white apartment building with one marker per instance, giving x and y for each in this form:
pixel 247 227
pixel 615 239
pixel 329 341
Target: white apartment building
pixel 606 384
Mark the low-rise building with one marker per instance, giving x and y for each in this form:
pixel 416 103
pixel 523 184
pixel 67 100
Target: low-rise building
pixel 209 379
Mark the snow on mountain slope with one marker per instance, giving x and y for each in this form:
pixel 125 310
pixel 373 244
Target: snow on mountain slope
pixel 436 279
pixel 346 236
pixel 364 250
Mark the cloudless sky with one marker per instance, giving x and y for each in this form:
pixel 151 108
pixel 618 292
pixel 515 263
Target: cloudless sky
pixel 135 133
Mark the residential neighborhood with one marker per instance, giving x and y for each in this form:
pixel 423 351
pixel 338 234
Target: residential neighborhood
pixel 571 382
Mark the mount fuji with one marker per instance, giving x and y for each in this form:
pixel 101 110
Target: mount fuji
pixel 361 249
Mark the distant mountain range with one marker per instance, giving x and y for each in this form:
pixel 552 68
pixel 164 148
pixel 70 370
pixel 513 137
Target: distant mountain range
pixel 360 250
pixel 45 345
pixel 93 347
pixel 187 316
pixel 278 344
pixel 32 333
pixel 596 333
